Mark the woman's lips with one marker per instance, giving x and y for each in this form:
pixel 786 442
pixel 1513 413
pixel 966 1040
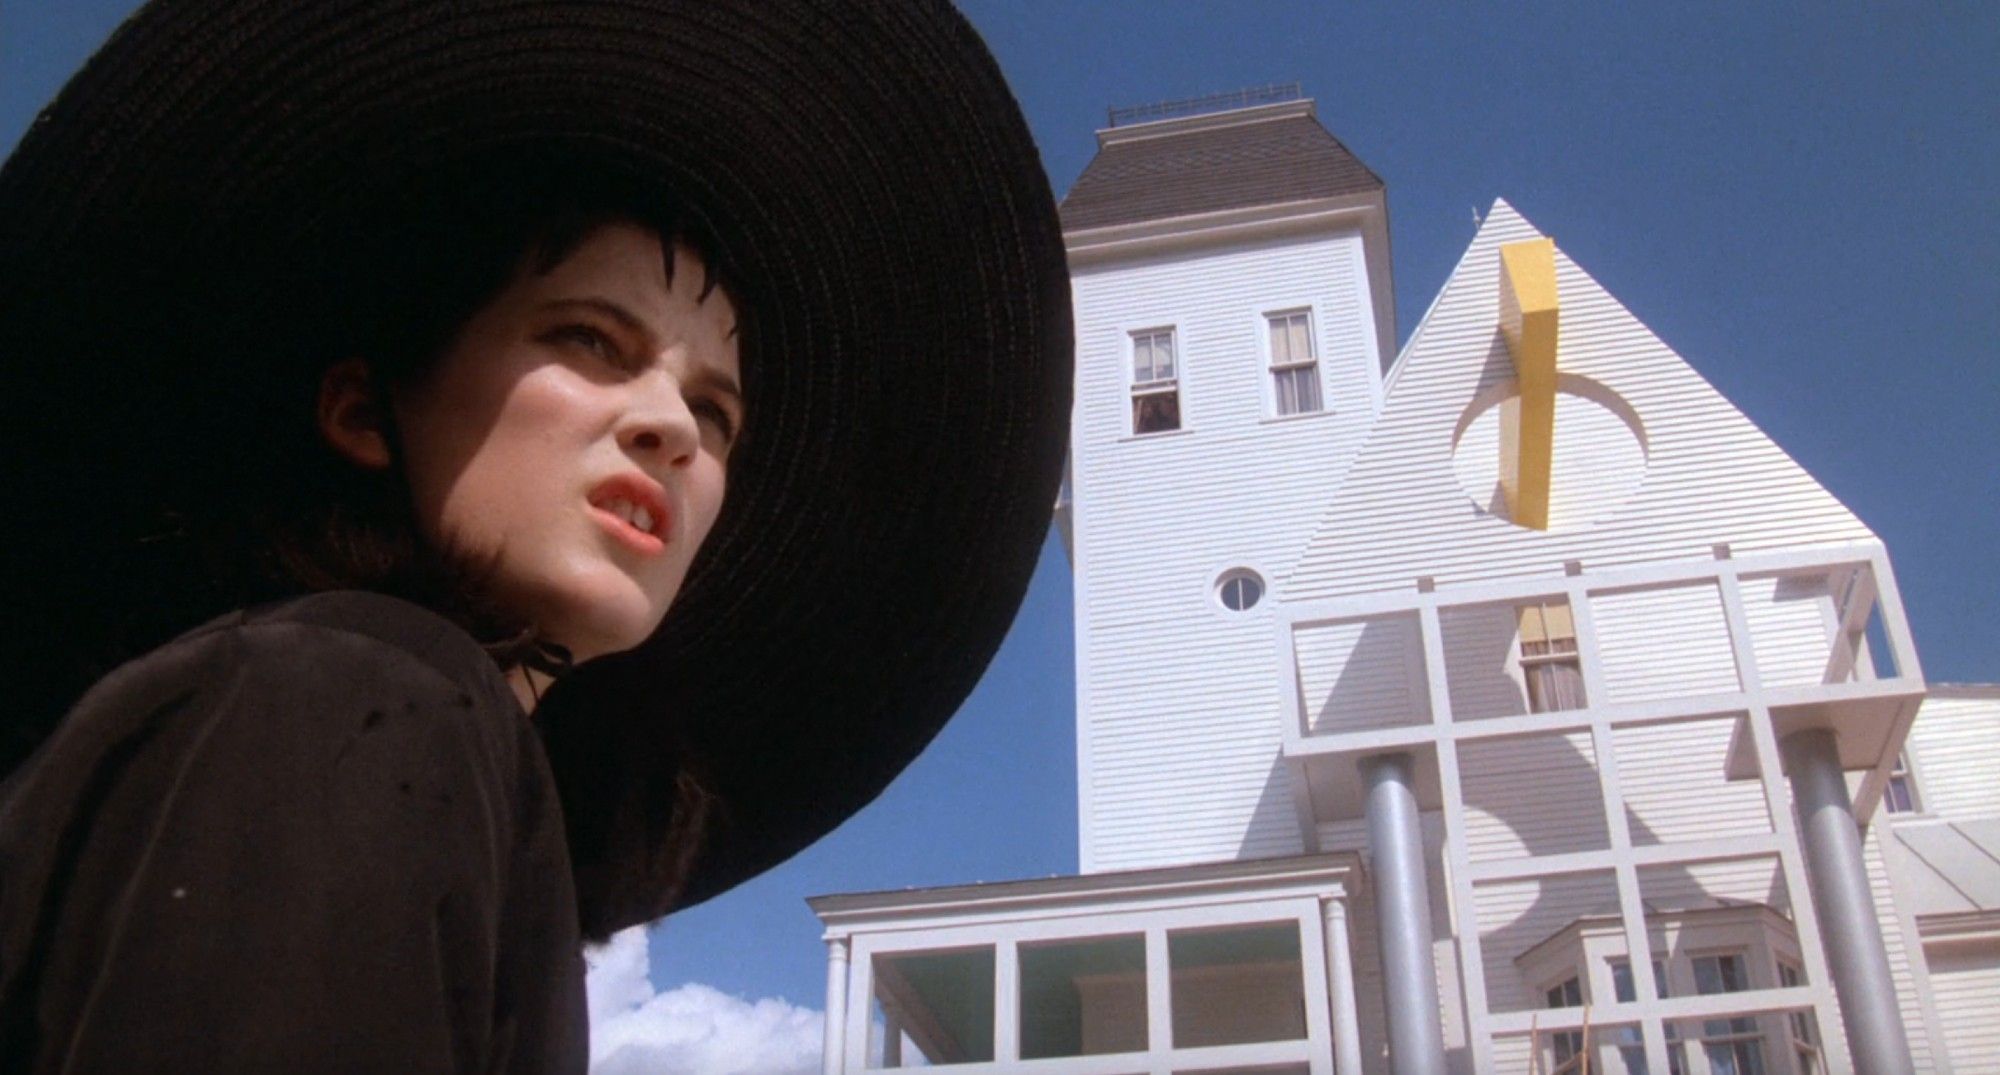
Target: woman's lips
pixel 633 509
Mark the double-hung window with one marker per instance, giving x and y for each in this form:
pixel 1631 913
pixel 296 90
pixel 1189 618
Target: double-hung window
pixel 1550 666
pixel 1294 363
pixel 1565 1045
pixel 1631 1045
pixel 1805 1042
pixel 1156 386
pixel 1733 1045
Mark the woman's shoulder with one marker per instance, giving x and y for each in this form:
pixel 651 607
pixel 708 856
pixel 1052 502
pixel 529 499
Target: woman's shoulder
pixel 274 677
pixel 319 646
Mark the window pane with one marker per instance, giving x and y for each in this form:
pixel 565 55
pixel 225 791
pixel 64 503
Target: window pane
pixel 1553 685
pixel 1236 985
pixel 1288 400
pixel 942 1000
pixel 1142 359
pixel 1301 348
pixel 1156 412
pixel 1163 356
pixel 1308 388
pixel 1281 349
pixel 1083 998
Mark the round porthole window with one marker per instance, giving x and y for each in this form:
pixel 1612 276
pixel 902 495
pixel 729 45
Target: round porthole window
pixel 1240 590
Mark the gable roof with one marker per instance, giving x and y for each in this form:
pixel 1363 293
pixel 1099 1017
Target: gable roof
pixel 1235 160
pixel 1707 474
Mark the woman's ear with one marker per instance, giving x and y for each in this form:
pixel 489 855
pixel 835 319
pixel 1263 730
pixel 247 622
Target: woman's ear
pixel 354 414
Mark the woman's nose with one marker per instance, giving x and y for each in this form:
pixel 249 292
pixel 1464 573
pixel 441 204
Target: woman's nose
pixel 659 425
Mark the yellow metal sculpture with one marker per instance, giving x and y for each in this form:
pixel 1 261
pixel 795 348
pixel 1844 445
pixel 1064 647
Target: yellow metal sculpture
pixel 1528 319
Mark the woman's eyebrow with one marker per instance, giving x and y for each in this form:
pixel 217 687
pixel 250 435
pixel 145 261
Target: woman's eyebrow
pixel 614 311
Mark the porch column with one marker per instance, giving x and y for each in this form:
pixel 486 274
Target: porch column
pixel 1847 923
pixel 892 1041
pixel 1340 988
pixel 834 1042
pixel 1403 916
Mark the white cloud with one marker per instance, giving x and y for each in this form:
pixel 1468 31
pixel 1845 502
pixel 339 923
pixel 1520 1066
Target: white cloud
pixel 690 1030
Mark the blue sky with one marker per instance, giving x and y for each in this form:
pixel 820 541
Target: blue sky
pixel 1806 207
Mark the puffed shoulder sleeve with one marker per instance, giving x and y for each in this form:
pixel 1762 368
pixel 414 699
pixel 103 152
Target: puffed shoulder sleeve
pixel 286 845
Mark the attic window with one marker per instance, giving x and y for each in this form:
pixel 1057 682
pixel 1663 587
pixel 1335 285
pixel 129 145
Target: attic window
pixel 1550 665
pixel 1156 388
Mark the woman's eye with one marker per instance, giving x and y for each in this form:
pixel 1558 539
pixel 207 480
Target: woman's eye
pixel 716 415
pixel 587 338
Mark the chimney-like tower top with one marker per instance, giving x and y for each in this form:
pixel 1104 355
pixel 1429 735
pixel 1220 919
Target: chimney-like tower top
pixel 1239 150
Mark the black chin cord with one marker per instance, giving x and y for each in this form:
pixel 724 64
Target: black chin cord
pixel 548 658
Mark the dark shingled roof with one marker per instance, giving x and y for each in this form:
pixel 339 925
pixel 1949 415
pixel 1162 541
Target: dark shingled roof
pixel 1202 171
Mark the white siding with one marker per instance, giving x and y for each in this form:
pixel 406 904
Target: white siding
pixel 1791 629
pixel 1362 674
pixel 1953 746
pixel 1711 476
pixel 1675 789
pixel 1514 916
pixel 1177 700
pixel 1670 642
pixel 1695 886
pixel 1535 795
pixel 1481 657
pixel 1965 978
pixel 1898 944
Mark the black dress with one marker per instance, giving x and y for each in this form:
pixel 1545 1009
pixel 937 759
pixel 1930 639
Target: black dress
pixel 315 837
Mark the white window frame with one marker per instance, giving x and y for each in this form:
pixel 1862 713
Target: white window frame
pixel 1156 386
pixel 1274 364
pixel 1804 1029
pixel 1903 770
pixel 1733 1036
pixel 1563 1042
pixel 1628 1038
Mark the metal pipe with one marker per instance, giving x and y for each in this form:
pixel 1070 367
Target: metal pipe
pixel 1403 916
pixel 1847 918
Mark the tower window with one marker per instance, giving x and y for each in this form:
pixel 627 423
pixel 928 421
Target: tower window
pixel 1294 363
pixel 1156 389
pixel 1550 665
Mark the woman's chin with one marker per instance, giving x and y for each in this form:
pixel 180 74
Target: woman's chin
pixel 592 621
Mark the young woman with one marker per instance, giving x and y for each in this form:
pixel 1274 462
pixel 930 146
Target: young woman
pixel 497 470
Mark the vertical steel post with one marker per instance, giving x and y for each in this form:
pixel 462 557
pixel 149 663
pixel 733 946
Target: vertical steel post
pixel 1403 916
pixel 1848 928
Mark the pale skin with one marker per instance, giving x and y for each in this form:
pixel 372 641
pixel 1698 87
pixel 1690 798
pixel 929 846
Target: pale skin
pixel 576 432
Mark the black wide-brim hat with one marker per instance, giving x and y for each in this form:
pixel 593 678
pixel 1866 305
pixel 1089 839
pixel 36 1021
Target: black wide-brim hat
pixel 865 173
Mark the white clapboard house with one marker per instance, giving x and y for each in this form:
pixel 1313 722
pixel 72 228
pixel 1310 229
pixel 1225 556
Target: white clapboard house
pixel 1508 704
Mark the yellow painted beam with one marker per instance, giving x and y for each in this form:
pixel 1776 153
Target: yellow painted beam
pixel 1528 319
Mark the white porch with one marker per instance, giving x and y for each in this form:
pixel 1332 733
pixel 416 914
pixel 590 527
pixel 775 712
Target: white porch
pixel 1215 969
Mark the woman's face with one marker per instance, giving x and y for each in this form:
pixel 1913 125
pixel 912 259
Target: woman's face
pixel 575 434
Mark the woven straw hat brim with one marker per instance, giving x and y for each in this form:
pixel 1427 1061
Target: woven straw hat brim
pixel 874 185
